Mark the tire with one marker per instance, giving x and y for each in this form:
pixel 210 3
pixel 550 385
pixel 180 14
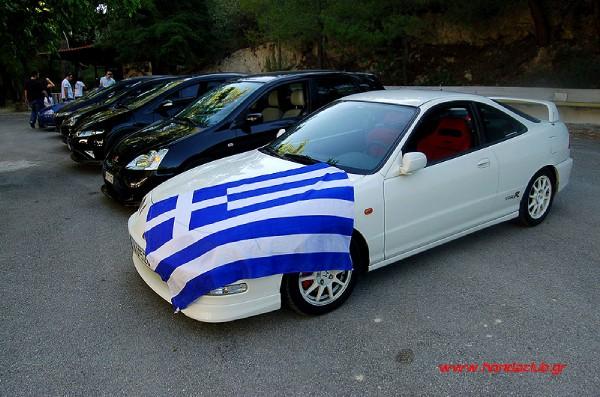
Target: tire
pixel 537 200
pixel 300 290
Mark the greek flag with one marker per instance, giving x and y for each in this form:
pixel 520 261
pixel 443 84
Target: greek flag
pixel 299 220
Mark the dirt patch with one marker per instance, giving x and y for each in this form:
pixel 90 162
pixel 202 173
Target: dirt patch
pixel 585 130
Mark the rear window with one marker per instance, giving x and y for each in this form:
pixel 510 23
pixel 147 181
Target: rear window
pixel 519 112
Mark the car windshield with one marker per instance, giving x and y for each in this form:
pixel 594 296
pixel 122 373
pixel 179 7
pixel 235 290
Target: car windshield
pixel 216 104
pixel 352 135
pixel 133 101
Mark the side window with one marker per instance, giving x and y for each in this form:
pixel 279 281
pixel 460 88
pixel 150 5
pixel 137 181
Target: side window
pixel 444 132
pixel 283 102
pixel 189 92
pixel 498 125
pixel 330 89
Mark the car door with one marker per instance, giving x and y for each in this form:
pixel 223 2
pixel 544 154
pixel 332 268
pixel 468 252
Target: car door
pixel 518 152
pixel 453 193
pixel 278 107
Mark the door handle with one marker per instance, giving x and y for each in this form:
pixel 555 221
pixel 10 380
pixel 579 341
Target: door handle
pixel 483 163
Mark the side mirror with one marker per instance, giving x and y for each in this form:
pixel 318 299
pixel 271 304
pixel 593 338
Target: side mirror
pixel 164 106
pixel 254 118
pixel 280 132
pixel 412 162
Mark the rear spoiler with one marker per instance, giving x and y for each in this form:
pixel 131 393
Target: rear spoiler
pixel 553 115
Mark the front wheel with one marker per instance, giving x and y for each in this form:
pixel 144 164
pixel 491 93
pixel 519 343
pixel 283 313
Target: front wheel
pixel 315 293
pixel 537 200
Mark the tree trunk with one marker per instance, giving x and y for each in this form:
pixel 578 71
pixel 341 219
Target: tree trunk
pixel 542 30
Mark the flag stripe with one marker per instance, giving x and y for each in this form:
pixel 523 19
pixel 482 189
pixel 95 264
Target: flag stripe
pixel 318 207
pixel 286 186
pixel 246 202
pixel 259 267
pixel 290 178
pixel 253 230
pixel 218 213
pixel 159 235
pixel 256 248
pixel 161 207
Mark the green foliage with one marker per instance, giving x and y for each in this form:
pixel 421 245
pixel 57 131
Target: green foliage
pixel 168 33
pixel 30 26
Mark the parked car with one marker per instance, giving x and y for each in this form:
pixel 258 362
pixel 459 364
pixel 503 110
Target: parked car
pixel 47 116
pixel 99 131
pixel 73 121
pixel 233 118
pixel 96 96
pixel 427 167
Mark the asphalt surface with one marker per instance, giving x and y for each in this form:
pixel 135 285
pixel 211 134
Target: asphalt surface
pixel 76 319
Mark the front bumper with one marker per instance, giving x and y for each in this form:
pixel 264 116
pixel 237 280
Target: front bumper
pixel 85 149
pixel 46 120
pixel 127 186
pixel 262 295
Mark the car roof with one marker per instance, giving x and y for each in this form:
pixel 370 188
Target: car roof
pixel 284 75
pixel 410 97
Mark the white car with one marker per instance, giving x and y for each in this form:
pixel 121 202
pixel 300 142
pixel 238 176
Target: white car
pixel 427 167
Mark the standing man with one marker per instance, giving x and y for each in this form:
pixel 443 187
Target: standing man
pixel 33 96
pixel 66 90
pixel 107 81
pixel 79 86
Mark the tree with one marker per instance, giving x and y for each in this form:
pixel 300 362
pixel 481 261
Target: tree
pixel 31 26
pixel 167 33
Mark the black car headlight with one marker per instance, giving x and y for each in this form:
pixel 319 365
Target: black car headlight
pixel 147 162
pixel 84 133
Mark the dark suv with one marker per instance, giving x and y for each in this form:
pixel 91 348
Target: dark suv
pixel 238 116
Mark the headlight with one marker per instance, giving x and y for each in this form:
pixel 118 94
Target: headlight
pixel 81 134
pixel 71 120
pixel 149 161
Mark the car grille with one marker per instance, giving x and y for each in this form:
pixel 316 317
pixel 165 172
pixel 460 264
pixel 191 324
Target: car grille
pixel 139 252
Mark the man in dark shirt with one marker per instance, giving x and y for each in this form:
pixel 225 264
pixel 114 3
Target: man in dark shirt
pixel 33 96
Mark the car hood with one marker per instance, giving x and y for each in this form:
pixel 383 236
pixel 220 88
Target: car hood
pixel 228 169
pixel 153 137
pixel 101 117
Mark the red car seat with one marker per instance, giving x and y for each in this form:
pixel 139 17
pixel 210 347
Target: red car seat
pixel 452 136
pixel 381 138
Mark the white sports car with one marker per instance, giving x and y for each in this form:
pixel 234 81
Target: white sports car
pixel 427 167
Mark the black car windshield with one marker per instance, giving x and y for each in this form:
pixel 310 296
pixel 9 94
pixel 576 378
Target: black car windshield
pixel 135 101
pixel 216 104
pixel 352 135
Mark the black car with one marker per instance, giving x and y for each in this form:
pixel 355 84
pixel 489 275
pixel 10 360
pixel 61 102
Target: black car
pixel 72 123
pixel 236 117
pixel 89 141
pixel 99 95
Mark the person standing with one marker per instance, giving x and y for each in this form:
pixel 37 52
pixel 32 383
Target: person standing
pixel 66 90
pixel 79 86
pixel 107 81
pixel 33 96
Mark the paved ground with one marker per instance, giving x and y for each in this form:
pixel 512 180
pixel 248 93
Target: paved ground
pixel 77 320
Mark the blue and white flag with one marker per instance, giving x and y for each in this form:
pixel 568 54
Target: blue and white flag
pixel 299 220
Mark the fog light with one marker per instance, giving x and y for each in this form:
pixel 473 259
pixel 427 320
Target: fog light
pixel 229 290
pixel 90 153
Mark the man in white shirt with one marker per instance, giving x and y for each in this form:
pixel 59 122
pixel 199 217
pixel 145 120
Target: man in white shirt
pixel 66 90
pixel 79 86
pixel 107 81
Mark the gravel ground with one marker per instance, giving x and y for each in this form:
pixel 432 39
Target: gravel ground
pixel 76 319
